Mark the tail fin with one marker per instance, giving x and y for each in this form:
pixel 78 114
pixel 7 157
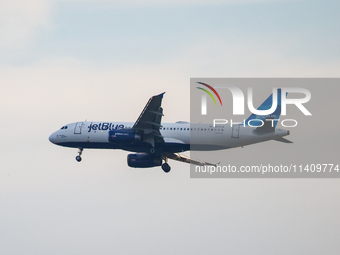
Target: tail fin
pixel 265 106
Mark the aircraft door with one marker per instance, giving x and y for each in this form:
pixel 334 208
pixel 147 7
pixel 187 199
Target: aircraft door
pixel 235 133
pixel 77 129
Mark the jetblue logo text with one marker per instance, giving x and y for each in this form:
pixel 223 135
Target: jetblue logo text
pixel 105 126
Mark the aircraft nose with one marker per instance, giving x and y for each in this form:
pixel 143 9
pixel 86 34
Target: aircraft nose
pixel 52 138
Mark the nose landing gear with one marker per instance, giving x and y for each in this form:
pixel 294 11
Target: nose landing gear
pixel 78 158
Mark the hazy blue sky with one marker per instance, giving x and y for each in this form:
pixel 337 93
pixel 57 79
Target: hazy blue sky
pixel 71 60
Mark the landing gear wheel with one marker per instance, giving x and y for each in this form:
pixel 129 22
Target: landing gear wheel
pixel 166 168
pixel 78 158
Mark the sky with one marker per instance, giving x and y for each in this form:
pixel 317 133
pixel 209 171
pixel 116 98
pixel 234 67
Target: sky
pixel 71 60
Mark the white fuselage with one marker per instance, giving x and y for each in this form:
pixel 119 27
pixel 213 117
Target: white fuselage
pixel 181 136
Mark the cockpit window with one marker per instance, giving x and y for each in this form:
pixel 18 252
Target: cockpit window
pixel 64 127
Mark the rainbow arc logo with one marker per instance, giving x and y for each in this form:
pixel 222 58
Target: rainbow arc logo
pixel 209 93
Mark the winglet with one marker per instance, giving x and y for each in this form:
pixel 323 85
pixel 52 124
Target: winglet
pixel 160 95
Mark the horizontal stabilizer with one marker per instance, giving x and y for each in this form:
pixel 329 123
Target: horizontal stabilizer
pixel 283 140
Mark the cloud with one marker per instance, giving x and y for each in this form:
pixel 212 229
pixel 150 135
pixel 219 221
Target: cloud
pixel 237 55
pixel 20 19
pixel 54 85
pixel 138 3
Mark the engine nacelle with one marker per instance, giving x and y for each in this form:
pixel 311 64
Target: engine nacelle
pixel 143 160
pixel 123 136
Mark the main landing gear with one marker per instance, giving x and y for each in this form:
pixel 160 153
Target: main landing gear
pixel 165 166
pixel 78 158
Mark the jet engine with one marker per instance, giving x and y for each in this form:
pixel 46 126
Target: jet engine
pixel 143 160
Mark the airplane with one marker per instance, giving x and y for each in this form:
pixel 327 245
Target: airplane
pixel 154 142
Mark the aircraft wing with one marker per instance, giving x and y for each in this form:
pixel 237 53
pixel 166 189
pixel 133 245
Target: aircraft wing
pixel 149 121
pixel 178 157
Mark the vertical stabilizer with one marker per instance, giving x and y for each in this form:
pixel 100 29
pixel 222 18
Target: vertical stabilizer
pixel 267 104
